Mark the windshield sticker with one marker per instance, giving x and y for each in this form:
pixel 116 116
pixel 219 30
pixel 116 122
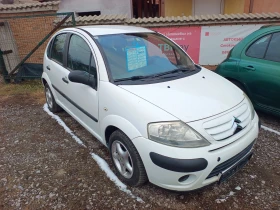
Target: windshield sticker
pixel 136 58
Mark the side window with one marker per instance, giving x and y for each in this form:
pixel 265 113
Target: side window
pixel 273 52
pixel 79 54
pixel 258 48
pixel 58 48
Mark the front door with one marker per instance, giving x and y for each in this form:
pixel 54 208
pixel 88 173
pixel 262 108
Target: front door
pixel 82 99
pixel 260 71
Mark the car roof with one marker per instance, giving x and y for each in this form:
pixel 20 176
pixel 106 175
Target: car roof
pixel 271 26
pixel 113 29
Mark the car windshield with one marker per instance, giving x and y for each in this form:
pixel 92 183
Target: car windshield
pixel 143 55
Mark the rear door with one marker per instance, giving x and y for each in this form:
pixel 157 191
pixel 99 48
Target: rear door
pixel 260 70
pixel 55 68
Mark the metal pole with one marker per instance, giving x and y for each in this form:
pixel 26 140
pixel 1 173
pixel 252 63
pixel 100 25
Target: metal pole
pixel 73 19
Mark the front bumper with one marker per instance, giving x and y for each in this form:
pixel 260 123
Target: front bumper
pixel 171 163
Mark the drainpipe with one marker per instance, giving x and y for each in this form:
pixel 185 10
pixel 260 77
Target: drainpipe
pixel 251 6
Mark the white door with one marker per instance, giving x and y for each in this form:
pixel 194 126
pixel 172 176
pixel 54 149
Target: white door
pixel 82 99
pixel 54 66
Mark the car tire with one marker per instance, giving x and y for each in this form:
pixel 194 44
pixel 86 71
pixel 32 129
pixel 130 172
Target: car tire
pixel 125 157
pixel 52 105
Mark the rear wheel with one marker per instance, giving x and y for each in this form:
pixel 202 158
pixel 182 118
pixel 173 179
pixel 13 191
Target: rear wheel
pixel 52 105
pixel 126 159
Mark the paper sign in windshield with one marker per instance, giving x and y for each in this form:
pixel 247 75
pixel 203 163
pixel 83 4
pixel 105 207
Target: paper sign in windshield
pixel 136 58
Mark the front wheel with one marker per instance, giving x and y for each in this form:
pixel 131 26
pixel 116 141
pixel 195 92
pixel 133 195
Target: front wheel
pixel 126 159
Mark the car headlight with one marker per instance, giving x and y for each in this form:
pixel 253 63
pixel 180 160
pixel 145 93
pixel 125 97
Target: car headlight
pixel 176 134
pixel 251 107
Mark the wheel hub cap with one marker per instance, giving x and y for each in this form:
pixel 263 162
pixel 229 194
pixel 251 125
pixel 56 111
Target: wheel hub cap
pixel 122 159
pixel 49 97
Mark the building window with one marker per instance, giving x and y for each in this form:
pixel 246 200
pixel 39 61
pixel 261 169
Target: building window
pixel 146 8
pixel 92 13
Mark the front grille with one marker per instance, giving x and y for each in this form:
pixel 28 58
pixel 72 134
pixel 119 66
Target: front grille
pixel 229 124
pixel 227 164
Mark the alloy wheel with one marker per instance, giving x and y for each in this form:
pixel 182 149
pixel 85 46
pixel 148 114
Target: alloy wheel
pixel 122 159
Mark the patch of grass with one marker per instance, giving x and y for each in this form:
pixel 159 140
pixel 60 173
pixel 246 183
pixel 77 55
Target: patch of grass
pixel 23 88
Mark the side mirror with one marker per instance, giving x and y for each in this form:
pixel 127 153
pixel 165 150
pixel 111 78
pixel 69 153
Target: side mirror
pixel 82 77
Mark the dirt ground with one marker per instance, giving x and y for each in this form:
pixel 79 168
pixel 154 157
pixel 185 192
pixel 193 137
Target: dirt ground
pixel 42 167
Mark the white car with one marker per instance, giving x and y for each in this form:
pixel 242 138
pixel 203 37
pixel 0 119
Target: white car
pixel 163 118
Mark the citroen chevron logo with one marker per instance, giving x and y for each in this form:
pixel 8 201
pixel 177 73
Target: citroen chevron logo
pixel 237 121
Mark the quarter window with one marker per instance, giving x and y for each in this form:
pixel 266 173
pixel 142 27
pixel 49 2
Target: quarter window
pixel 258 48
pixel 58 48
pixel 273 52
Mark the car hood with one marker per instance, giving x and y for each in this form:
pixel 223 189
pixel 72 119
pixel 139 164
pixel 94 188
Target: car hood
pixel 192 98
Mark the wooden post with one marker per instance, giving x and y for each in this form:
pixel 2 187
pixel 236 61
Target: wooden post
pixel 162 8
pixel 139 7
pixel 145 9
pixel 150 8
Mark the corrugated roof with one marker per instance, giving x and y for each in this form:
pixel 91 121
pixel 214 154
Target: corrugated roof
pixel 98 20
pixel 206 19
pixel 29 7
pixel 190 20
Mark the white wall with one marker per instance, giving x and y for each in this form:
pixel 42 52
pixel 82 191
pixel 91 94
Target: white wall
pixel 106 7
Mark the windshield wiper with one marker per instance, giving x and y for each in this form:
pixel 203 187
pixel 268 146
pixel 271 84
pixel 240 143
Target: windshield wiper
pixel 131 78
pixel 153 75
pixel 172 72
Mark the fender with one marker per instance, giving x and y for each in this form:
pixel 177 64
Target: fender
pixel 121 123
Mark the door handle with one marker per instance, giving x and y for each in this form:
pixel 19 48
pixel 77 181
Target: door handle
pixel 48 68
pixel 65 80
pixel 250 68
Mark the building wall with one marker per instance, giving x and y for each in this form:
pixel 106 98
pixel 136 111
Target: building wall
pixel 28 32
pixel 233 6
pixel 178 8
pixel 106 7
pixel 266 6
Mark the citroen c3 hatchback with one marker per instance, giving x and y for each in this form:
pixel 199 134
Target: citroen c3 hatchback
pixel 163 118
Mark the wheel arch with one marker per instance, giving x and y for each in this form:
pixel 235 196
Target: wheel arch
pixel 45 79
pixel 112 123
pixel 236 81
pixel 241 85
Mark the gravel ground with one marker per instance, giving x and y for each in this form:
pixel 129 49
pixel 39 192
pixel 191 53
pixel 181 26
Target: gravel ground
pixel 42 167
